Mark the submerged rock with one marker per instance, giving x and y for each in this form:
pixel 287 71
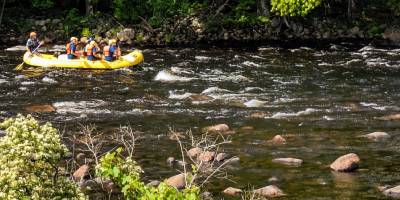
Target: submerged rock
pixel 233 191
pixel 259 115
pixel 220 157
pixel 170 160
pixel 45 108
pixel 220 128
pixel 177 181
pixel 391 117
pixel 288 161
pixel 153 183
pixel 346 163
pixel 278 139
pixel 269 191
pixel 377 136
pixel 393 192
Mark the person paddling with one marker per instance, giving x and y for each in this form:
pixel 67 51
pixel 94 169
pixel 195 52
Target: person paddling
pixel 33 43
pixel 71 48
pixel 110 51
pixel 91 51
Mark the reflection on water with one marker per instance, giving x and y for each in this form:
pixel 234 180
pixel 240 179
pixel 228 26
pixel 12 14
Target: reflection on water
pixel 320 100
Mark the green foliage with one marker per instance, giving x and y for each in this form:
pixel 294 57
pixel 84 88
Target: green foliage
pixel 30 154
pixel 294 7
pixel 86 32
pixel 42 4
pixel 73 22
pixel 394 5
pixel 126 174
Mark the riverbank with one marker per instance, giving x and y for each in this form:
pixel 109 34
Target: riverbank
pixel 194 31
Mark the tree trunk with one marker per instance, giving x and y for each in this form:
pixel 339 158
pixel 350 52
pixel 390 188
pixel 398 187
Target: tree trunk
pixel 2 10
pixel 262 8
pixel 349 10
pixel 88 8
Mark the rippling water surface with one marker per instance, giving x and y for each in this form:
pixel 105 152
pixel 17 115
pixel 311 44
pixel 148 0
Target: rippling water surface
pixel 320 99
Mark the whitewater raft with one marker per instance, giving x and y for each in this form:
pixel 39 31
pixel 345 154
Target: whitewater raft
pixel 46 60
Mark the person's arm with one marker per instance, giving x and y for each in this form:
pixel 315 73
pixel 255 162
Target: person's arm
pixel 28 44
pixel 73 50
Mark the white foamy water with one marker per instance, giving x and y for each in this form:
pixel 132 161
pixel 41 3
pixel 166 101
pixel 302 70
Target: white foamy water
pixel 25 83
pixel 254 103
pixel 16 48
pixel 49 80
pixel 202 58
pixel 174 95
pixel 81 107
pixel 215 90
pixel 3 81
pixel 368 104
pixel 57 48
pixel 166 76
pixel 251 64
pixel 308 111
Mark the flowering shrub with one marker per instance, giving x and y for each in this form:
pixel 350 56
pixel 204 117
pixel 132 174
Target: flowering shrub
pixel 126 174
pixel 29 157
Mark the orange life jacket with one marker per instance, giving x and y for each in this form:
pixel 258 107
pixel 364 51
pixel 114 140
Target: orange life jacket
pixel 118 52
pixel 68 48
pixel 89 50
pixel 106 50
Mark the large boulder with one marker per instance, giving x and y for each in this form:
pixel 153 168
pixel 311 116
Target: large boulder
pixel 81 173
pixel 346 163
pixel 377 136
pixel 233 191
pixel 392 34
pixel 269 191
pixel 177 181
pixel 393 192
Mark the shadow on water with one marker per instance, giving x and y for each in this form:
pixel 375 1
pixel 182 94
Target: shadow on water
pixel 319 99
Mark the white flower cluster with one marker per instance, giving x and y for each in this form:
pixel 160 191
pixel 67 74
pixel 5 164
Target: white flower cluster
pixel 29 155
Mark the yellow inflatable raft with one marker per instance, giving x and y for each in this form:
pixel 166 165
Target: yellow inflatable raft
pixel 46 60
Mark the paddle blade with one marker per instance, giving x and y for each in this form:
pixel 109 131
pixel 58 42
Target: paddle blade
pixel 19 67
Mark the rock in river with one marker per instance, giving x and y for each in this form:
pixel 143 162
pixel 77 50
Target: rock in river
pixel 206 156
pixel 278 139
pixel 346 163
pixel 288 161
pixel 392 192
pixel 269 191
pixel 377 136
pixel 80 173
pixel 219 128
pixel 177 181
pixel 194 152
pixel 46 108
pixel 233 191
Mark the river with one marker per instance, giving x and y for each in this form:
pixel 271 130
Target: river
pixel 321 99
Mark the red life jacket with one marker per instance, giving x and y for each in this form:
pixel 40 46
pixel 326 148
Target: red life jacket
pixel 68 48
pixel 89 50
pixel 106 50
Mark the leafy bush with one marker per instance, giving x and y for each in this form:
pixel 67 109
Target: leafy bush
pixel 126 174
pixel 42 4
pixel 294 7
pixel 30 155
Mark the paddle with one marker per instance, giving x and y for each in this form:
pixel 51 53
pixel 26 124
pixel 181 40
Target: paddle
pixel 20 66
